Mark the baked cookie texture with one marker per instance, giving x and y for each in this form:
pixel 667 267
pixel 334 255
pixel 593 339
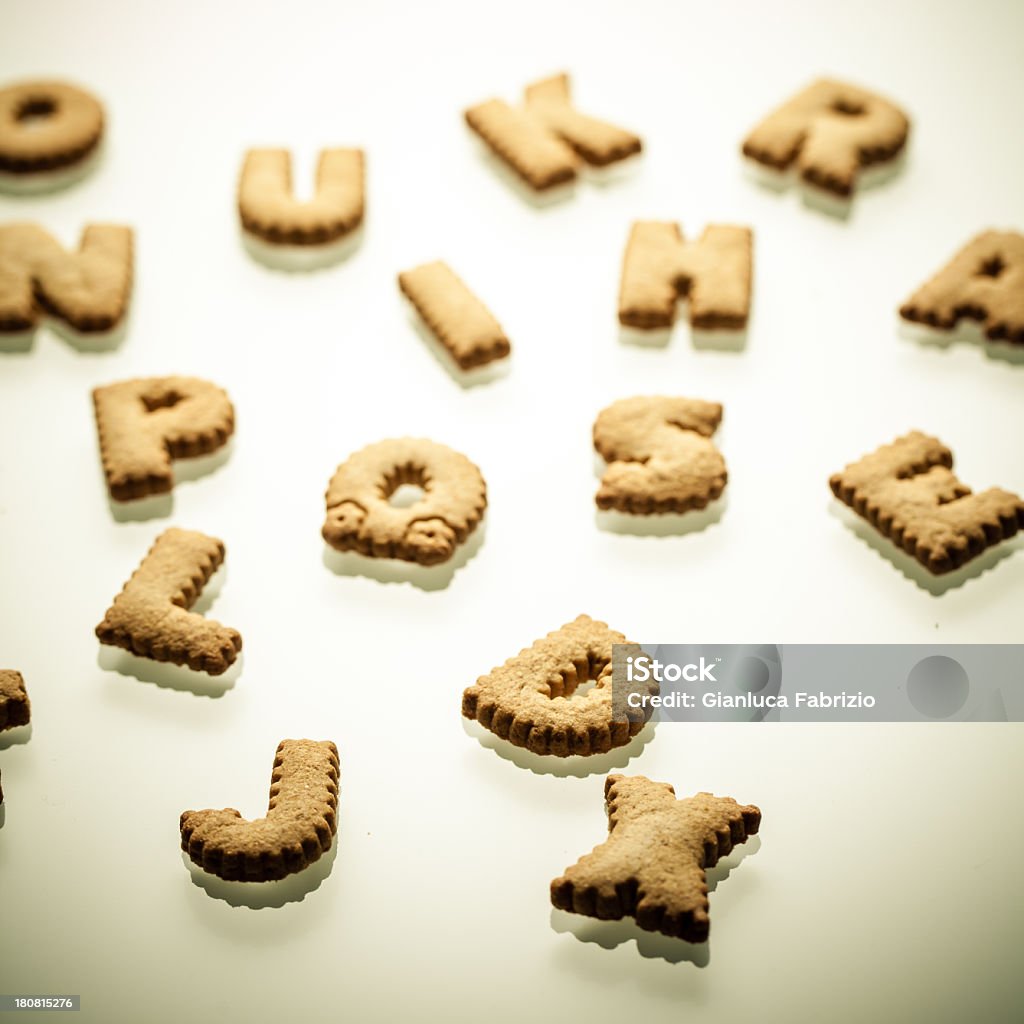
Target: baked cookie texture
pixel 983 282
pixel 908 492
pixel 146 423
pixel 532 702
pixel 15 707
pixel 830 132
pixel 652 865
pixel 715 273
pixel 659 454
pixel 269 210
pixel 544 141
pixel 598 143
pixel 88 290
pixel 47 125
pixel 299 828
pixel 455 316
pixel 151 617
pixel 360 517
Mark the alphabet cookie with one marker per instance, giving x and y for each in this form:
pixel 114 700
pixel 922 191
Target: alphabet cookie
pixel 659 454
pixel 455 316
pixel 983 282
pixel 299 828
pixel 544 142
pixel 291 233
pixel 49 131
pixel 652 866
pixel 361 518
pixel 532 702
pixel 714 273
pixel 908 492
pixel 830 133
pixel 86 291
pixel 146 423
pixel 15 708
pixel 151 617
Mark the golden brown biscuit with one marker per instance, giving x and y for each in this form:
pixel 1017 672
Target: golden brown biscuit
pixel 541 142
pixel 907 491
pixel 714 273
pixel 541 159
pixel 983 282
pixel 361 518
pixel 455 316
pixel 15 707
pixel 299 827
pixel 46 126
pixel 597 142
pixel 88 289
pixel 659 454
pixel 830 131
pixel 653 864
pixel 268 207
pixel 146 423
pixel 150 616
pixel 532 702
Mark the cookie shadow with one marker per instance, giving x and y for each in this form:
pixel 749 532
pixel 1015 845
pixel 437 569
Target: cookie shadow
pixel 15 737
pixel 664 524
pixel 576 766
pixel 818 199
pixel 539 200
pixel 701 338
pixel 16 342
pixel 3 814
pixel 160 506
pixel 613 173
pixel 90 342
pixel 970 332
pixel 651 945
pixel 466 379
pixel 42 183
pixel 911 567
pixel 395 570
pixel 84 342
pixel 302 259
pixel 264 895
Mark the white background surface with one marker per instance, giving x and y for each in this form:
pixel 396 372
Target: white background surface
pixel 887 880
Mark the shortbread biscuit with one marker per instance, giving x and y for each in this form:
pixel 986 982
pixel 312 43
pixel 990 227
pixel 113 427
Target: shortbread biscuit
pixel 540 158
pixel 659 454
pixel 150 616
pixel 15 708
pixel 299 827
pixel 145 424
pixel 88 290
pixel 455 316
pixel 47 126
pixel 983 282
pixel 714 273
pixel 361 518
pixel 542 143
pixel 532 702
pixel 653 864
pixel 597 142
pixel 268 207
pixel 830 132
pixel 908 492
